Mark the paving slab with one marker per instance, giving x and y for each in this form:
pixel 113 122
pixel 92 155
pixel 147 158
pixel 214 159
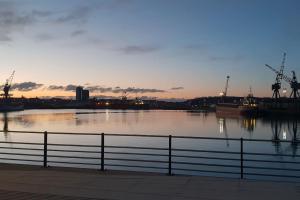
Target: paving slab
pixel 32 182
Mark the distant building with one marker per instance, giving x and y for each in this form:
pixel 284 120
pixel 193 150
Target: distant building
pixel 85 95
pixel 81 94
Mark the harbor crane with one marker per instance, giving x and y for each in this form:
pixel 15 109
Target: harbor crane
pixel 277 85
pixel 124 96
pixel 295 86
pixel 224 93
pixel 7 86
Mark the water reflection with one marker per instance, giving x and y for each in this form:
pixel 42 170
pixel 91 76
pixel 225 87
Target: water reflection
pixel 223 129
pixel 249 124
pixel 5 125
pixel 158 122
pixel 280 127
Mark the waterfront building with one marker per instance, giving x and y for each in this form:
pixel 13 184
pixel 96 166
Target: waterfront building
pixel 81 94
pixel 85 95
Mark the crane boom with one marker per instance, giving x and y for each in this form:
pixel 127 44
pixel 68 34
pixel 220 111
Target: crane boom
pixel 10 79
pixel 284 77
pixel 279 76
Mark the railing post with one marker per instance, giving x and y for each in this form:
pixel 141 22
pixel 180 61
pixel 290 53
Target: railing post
pixel 102 152
pixel 45 148
pixel 242 158
pixel 170 155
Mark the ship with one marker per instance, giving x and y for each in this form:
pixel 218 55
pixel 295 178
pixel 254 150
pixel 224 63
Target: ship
pixel 247 106
pixel 236 109
pixel 7 107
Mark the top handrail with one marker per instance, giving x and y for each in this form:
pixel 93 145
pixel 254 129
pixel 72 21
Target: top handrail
pixel 149 135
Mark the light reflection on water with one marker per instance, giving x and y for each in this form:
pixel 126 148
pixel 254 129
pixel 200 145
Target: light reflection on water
pixel 148 122
pixel 179 123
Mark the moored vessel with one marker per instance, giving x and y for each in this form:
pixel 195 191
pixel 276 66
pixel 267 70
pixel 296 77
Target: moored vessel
pixel 247 106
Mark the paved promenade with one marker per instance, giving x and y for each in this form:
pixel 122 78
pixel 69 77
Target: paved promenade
pixel 28 182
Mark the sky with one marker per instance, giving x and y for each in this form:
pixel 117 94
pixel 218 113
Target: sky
pixel 166 49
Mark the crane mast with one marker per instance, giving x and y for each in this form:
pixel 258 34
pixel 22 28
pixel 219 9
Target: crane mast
pixel 295 86
pixel 226 86
pixel 277 85
pixel 7 86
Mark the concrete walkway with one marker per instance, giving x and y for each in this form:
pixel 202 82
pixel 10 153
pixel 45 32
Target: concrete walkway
pixel 29 182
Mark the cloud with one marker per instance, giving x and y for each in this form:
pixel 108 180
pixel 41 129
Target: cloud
pixel 177 88
pixel 77 33
pixel 78 14
pixel 81 13
pixel 55 87
pixel 136 90
pixel 44 37
pixel 138 49
pixel 11 20
pixel 5 38
pixel 41 13
pixel 101 89
pixel 26 86
pixel 225 58
pixel 15 17
pixel 70 87
pixel 196 47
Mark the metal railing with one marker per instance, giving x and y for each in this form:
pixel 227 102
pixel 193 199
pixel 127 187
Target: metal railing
pixel 171 160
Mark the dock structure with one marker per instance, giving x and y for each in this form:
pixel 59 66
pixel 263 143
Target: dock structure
pixel 33 182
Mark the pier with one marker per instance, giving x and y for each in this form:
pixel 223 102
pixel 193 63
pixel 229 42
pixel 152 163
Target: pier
pixel 34 182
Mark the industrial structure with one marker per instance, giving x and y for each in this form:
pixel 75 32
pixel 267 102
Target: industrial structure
pixel 295 86
pixel 7 86
pixel 224 93
pixel 277 85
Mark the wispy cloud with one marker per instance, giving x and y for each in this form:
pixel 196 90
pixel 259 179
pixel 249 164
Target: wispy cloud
pixel 196 47
pixel 137 90
pixel 11 20
pixel 177 88
pixel 55 87
pixel 226 58
pixel 138 49
pixel 14 17
pixel 45 37
pixel 78 14
pixel 5 38
pixel 41 13
pixel 77 33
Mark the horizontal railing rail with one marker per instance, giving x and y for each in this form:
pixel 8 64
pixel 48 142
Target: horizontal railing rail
pixel 168 158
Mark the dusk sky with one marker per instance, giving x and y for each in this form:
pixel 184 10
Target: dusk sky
pixel 156 48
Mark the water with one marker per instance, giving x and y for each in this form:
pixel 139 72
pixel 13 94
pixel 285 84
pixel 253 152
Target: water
pixel 147 122
pixel 176 123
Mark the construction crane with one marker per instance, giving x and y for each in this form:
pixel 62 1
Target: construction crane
pixel 277 85
pixel 7 86
pixel 295 86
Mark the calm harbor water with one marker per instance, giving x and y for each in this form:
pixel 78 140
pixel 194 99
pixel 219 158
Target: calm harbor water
pixel 160 122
